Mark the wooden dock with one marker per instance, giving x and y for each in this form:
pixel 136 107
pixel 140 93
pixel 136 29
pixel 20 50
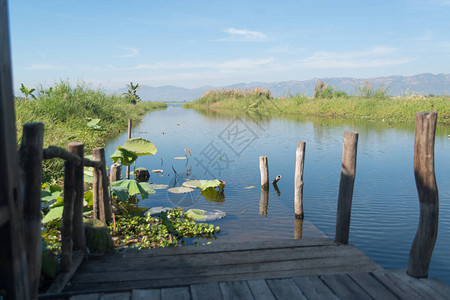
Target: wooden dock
pixel 315 268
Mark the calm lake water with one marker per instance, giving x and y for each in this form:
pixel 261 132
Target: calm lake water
pixel 227 145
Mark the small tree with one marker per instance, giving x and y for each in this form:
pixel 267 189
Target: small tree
pixel 322 90
pixel 27 92
pixel 131 94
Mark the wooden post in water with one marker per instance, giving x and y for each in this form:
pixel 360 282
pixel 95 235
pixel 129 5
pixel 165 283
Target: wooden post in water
pixel 129 137
pixel 298 229
pixel 114 174
pixel 264 170
pixel 13 261
pixel 67 219
pixel 31 168
pixel 102 204
pixel 347 182
pixel 299 166
pixel 425 239
pixel 264 202
pixel 79 238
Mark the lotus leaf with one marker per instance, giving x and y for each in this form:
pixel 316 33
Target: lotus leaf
pixel 132 186
pixel 53 214
pixel 126 157
pixel 139 146
pixel 212 194
pixel 203 215
pixel 149 188
pixel 204 184
pixel 156 186
pixel 180 190
pixel 156 210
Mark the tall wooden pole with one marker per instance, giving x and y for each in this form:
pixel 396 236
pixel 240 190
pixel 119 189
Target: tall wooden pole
pixel 31 150
pixel 102 204
pixel 264 170
pixel 298 194
pixel 345 197
pixel 13 262
pixel 425 239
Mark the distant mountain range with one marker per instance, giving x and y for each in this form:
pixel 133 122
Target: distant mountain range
pixel 424 84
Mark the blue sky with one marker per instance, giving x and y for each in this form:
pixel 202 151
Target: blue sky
pixel 190 44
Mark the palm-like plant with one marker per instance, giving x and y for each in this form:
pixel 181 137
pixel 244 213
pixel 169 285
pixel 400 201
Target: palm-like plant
pixel 131 94
pixel 27 92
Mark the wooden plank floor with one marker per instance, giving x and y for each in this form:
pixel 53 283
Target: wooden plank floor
pixel 315 268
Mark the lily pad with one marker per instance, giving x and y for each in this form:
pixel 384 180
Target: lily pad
pixel 149 188
pixel 195 184
pixel 204 184
pixel 157 186
pixel 180 190
pixel 203 215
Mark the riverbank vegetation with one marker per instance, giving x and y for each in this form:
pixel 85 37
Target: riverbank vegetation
pixel 367 103
pixel 77 114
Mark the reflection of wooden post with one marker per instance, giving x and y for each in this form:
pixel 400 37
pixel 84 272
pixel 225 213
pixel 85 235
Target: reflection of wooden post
pixel 102 205
pixel 114 174
pixel 264 202
pixel 129 137
pixel 299 165
pixel 348 171
pixel 31 166
pixel 79 238
pixel 277 190
pixel 425 239
pixel 13 275
pixel 264 170
pixel 298 228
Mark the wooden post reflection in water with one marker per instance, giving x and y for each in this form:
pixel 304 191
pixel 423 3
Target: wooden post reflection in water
pixel 264 203
pixel 298 228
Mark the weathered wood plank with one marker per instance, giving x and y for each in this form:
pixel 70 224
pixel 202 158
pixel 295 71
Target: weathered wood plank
pixel 260 289
pixel 209 290
pixel 86 297
pixel 372 286
pixel 118 263
pixel 179 293
pixel 235 290
pixel 425 239
pixel 344 287
pixel 102 203
pixel 264 170
pixel 153 294
pixel 215 248
pixel 399 288
pixel 417 284
pixel 314 288
pixel 63 278
pixel 298 192
pixel 285 289
pixel 116 296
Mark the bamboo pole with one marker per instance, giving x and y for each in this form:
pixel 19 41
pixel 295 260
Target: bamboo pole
pixel 264 170
pixel 129 137
pixel 425 239
pixel 299 166
pixel 31 169
pixel 347 182
pixel 13 260
pixel 102 204
pixel 79 238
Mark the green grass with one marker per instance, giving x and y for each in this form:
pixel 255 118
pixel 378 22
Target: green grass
pixel 371 106
pixel 66 112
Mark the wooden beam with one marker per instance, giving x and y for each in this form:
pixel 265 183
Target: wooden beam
pixel 31 169
pixel 13 265
pixel 347 182
pixel 425 239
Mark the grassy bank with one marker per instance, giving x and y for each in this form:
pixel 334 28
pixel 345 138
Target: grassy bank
pixel 66 112
pixel 371 106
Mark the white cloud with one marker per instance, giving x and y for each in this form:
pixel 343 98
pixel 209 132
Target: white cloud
pixel 131 52
pixel 373 57
pixel 245 63
pixel 42 66
pixel 243 35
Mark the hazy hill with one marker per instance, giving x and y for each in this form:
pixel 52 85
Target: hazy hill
pixel 437 84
